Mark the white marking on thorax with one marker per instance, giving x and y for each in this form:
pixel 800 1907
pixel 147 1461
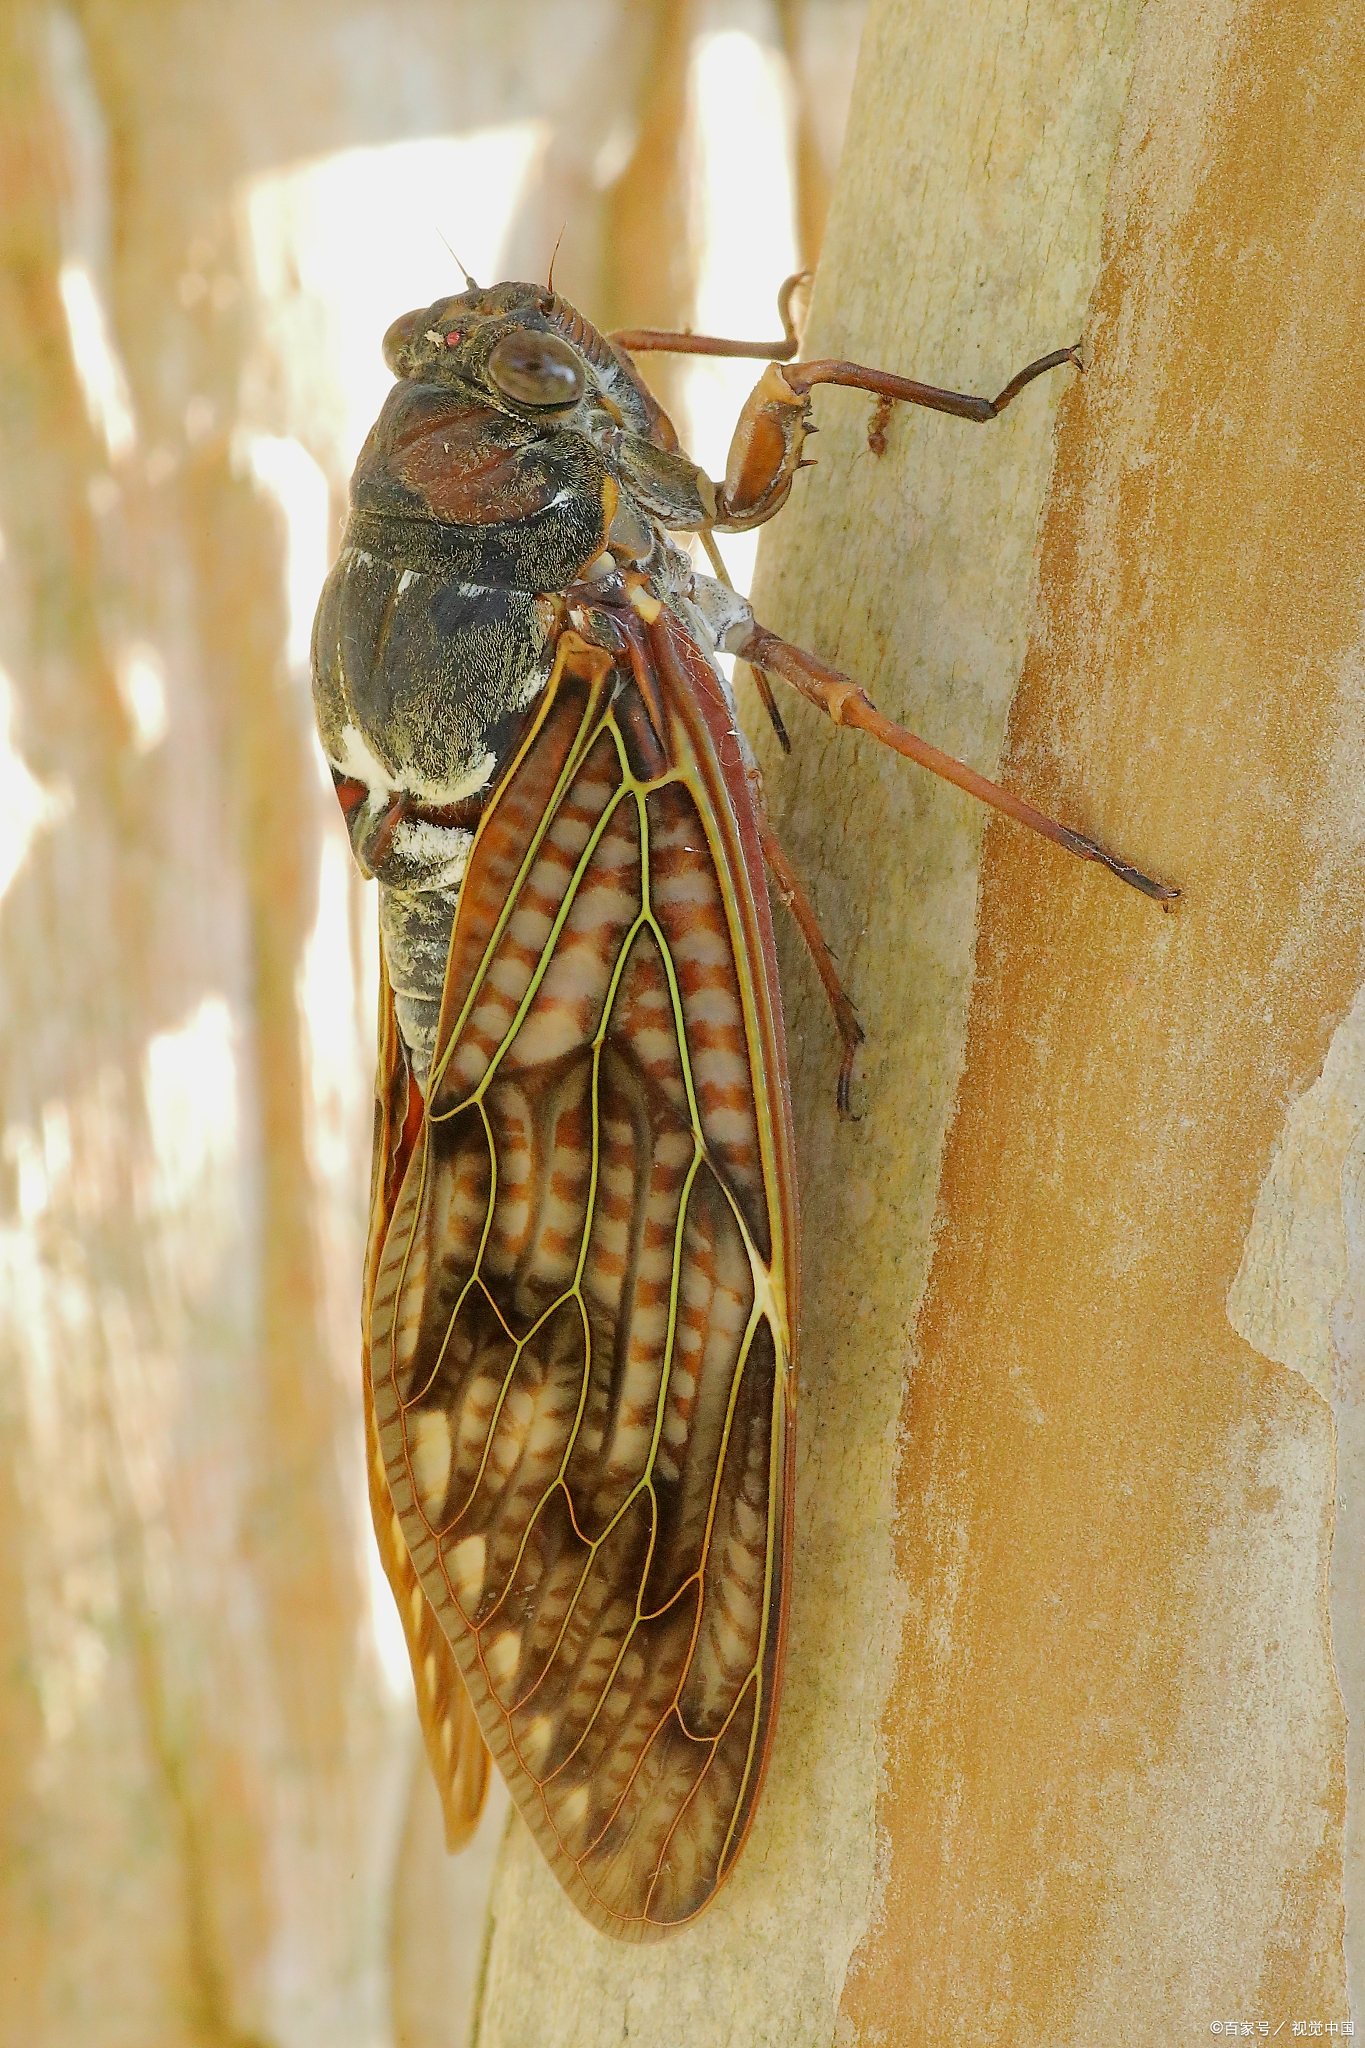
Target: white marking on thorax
pixel 354 758
pixel 356 761
pixel 475 778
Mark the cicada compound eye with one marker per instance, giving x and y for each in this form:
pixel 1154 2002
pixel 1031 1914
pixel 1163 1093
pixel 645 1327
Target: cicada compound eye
pixel 534 368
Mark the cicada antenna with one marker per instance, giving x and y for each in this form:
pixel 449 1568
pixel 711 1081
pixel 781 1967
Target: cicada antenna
pixel 471 283
pixel 550 280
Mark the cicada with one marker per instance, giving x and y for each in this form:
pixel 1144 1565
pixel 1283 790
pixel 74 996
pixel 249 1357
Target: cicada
pixel 580 1296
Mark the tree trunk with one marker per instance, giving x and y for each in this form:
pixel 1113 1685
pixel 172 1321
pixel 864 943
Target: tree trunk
pixel 1062 1750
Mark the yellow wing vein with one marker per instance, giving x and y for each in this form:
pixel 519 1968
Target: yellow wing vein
pixel 586 736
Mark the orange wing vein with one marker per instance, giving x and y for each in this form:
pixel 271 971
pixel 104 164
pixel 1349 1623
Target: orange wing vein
pixel 582 1303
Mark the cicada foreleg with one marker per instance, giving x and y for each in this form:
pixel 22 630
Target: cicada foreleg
pixel 678 342
pixel 795 900
pixel 766 450
pixel 847 703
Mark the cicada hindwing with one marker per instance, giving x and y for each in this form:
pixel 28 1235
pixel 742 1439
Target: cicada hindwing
pixel 583 1294
pixel 455 1747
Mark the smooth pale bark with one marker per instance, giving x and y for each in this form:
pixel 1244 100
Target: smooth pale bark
pixel 1061 1753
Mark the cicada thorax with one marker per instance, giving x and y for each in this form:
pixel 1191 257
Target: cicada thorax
pixel 436 627
pixel 433 636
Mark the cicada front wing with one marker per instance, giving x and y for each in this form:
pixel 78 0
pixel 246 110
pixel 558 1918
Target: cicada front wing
pixel 580 1323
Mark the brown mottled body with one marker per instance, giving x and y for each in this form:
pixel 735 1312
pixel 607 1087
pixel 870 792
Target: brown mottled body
pixel 581 1288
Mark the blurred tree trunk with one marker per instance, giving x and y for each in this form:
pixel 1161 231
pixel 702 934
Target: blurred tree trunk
pixel 820 39
pixel 648 257
pixel 1061 1753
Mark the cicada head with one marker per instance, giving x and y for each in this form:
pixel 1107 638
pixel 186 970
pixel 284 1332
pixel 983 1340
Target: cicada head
pixel 526 351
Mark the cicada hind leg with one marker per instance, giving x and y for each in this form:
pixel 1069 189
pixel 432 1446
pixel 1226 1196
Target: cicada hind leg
pixel 767 447
pixel 795 900
pixel 848 703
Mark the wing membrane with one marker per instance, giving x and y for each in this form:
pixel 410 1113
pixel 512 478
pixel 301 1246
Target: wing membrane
pixel 455 1747
pixel 581 1312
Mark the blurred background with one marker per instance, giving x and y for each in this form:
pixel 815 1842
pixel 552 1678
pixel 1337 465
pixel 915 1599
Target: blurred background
pixel 215 1826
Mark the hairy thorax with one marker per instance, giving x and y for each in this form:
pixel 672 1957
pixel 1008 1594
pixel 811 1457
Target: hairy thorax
pixel 423 678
